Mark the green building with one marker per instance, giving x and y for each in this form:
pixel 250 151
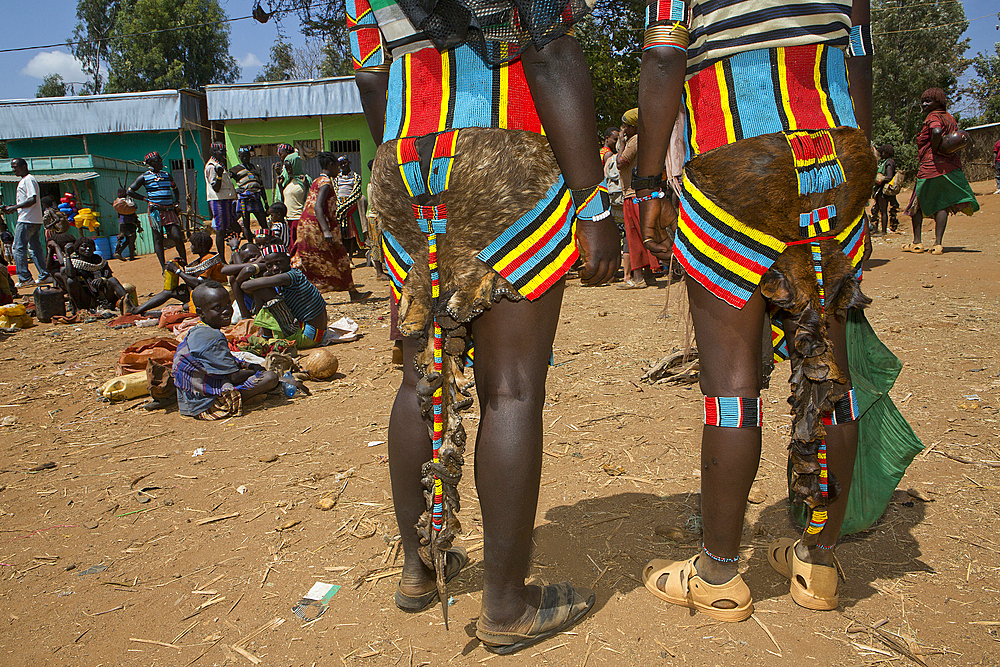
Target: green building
pixel 313 116
pixel 90 146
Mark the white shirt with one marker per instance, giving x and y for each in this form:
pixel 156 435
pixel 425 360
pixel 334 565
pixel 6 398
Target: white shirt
pixel 227 191
pixel 31 215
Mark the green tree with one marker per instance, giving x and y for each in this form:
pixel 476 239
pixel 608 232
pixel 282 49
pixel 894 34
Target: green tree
pixel 611 38
pixel 178 57
pixel 916 47
pixel 282 64
pixel 52 86
pixel 91 41
pixel 985 88
pixel 336 59
pixel 326 20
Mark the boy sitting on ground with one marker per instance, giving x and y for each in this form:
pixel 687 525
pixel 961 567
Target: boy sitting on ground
pixel 212 383
pixel 180 281
pixel 246 254
pixel 284 298
pixel 58 241
pixel 88 279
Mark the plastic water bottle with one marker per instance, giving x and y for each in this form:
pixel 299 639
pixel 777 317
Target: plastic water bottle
pixel 287 384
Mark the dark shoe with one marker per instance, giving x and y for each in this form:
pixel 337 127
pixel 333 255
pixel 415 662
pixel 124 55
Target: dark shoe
pixel 560 607
pixel 455 560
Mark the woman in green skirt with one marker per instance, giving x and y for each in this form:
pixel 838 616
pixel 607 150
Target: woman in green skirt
pixel 942 187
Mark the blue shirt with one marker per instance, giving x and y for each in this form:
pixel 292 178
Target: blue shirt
pixel 159 188
pixel 302 297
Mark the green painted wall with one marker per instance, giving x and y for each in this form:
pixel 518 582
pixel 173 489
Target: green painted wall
pixel 289 130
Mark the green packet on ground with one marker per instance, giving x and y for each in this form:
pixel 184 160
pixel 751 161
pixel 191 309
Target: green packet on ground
pixel 886 443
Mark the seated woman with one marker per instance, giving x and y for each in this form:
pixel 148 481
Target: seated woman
pixel 212 383
pixel 179 280
pixel 284 298
pixel 242 257
pixel 88 279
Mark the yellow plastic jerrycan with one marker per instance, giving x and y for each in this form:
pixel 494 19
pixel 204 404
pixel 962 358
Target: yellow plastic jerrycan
pixel 125 387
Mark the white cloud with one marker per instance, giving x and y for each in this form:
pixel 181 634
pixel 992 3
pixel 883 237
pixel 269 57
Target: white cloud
pixel 249 61
pixel 55 62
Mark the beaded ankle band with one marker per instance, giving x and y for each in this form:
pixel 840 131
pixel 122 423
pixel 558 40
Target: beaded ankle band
pixel 718 558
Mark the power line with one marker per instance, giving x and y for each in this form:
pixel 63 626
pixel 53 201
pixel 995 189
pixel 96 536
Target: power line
pixel 134 34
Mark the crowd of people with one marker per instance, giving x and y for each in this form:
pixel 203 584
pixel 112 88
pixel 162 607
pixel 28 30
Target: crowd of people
pixel 479 217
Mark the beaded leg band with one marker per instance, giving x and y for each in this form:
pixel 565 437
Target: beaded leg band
pixel 718 558
pixel 733 412
pixel 593 203
pixel 844 410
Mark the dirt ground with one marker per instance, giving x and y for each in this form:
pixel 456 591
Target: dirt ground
pixel 133 549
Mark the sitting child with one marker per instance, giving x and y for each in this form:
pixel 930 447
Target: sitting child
pixel 212 383
pixel 241 259
pixel 283 298
pixel 178 280
pixel 89 281
pixel 278 233
pixel 128 226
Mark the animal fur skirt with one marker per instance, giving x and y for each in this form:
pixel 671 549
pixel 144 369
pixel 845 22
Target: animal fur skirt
pixel 467 217
pixel 784 212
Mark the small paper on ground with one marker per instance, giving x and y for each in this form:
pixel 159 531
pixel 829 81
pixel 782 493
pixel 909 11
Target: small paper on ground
pixel 314 603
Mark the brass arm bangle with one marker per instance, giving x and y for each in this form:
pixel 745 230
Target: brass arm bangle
pixel 676 36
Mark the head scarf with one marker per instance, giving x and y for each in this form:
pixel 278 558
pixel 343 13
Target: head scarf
pixel 296 170
pixel 631 117
pixel 152 156
pixel 286 148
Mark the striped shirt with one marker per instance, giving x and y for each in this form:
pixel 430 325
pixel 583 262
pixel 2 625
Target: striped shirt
pixel 722 28
pixel 302 297
pixel 159 188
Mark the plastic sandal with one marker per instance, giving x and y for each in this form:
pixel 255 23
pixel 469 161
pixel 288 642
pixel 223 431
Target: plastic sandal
pixel 685 588
pixel 937 250
pixel 812 586
pixel 456 559
pixel 912 247
pixel 560 607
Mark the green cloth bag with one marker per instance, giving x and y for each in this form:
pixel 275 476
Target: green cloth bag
pixel 886 443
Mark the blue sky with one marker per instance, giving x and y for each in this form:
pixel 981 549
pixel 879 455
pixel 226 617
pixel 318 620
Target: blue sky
pixel 250 41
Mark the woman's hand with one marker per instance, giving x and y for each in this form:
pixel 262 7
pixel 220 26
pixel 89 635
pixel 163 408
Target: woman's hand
pixel 328 235
pixel 600 245
pixel 658 222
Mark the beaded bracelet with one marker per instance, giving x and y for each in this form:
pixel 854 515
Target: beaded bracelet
pixel 656 194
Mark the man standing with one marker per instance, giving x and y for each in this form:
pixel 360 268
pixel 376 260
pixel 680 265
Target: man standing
pixel 221 196
pixel 641 263
pixel 162 197
pixel 29 222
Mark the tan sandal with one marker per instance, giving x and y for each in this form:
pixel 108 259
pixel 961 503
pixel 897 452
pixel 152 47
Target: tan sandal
pixel 812 586
pixel 560 607
pixel 685 588
pixel 937 250
pixel 912 247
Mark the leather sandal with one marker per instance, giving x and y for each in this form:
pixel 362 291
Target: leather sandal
pixel 812 586
pixel 455 559
pixel 912 247
pixel 560 607
pixel 937 250
pixel 685 588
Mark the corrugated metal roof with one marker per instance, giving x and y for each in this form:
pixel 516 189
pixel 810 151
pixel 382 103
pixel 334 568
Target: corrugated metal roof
pixel 53 178
pixel 283 99
pixel 74 162
pixel 98 114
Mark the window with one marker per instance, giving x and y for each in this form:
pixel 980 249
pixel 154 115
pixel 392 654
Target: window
pixel 345 146
pixel 175 165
